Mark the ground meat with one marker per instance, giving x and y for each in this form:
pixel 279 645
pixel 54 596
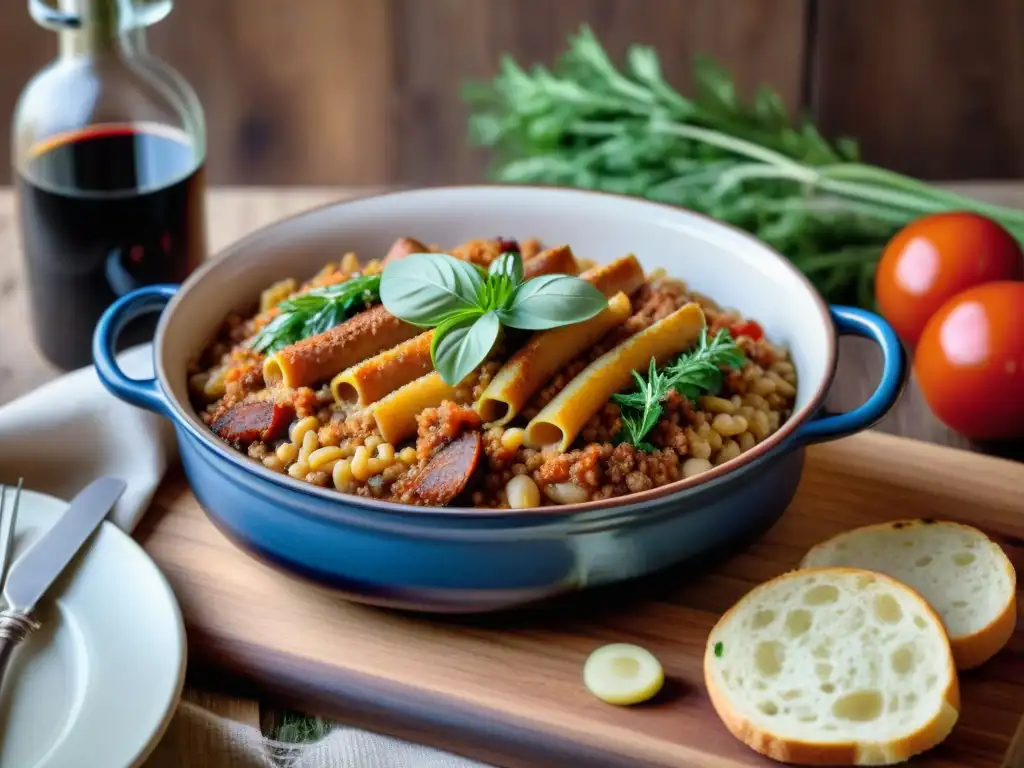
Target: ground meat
pixel 437 426
pixel 305 402
pixel 655 306
pixel 499 456
pixel 242 380
pixel 586 471
pixel 556 469
pixel 603 470
pixel 356 428
pixel 670 431
pixel 604 426
pixel 638 481
pixel 621 462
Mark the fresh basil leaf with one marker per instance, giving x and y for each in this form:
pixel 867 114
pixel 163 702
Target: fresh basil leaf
pixel 316 311
pixel 462 343
pixel 331 315
pixel 424 288
pixel 307 302
pixel 550 301
pixel 487 297
pixel 459 317
pixel 509 265
pixel 500 290
pixel 283 330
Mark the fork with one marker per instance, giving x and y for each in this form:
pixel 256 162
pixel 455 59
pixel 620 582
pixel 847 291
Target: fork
pixel 12 628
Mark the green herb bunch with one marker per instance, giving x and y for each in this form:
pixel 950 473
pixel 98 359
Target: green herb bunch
pixel 589 124
pixel 692 374
pixel 467 306
pixel 317 311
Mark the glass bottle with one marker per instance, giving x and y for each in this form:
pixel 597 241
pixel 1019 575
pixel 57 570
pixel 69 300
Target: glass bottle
pixel 109 147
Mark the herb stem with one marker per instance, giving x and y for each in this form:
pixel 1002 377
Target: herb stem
pixel 941 198
pixel 844 257
pixel 739 146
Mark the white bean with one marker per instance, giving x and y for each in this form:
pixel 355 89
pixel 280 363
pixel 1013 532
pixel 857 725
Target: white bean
pixel 522 492
pixel 693 467
pixel 565 493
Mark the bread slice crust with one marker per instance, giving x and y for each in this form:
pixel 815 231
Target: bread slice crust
pixel 970 649
pixel 839 751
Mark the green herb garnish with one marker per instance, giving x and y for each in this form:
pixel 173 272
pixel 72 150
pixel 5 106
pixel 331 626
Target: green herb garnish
pixel 691 375
pixel 719 648
pixel 467 306
pixel 317 311
pixel 592 125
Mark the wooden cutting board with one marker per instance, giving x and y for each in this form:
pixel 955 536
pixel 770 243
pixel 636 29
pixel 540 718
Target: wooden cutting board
pixel 507 689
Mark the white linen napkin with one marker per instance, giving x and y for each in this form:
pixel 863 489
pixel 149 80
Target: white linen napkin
pixel 198 739
pixel 65 434
pixel 70 431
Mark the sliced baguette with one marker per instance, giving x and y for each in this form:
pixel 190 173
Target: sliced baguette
pixel 833 666
pixel 963 574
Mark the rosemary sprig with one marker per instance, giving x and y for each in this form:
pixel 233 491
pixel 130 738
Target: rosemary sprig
pixel 589 124
pixel 317 311
pixel 691 375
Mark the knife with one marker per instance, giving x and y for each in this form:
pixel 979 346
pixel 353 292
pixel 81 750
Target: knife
pixel 34 572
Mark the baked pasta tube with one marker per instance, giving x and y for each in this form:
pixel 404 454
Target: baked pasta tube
pixel 367 382
pixel 322 356
pixel 561 420
pixel 396 414
pixel 553 261
pixel 547 351
pixel 624 274
pixel 541 357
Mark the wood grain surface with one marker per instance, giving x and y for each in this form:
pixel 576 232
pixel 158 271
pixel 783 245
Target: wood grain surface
pixel 278 639
pixel 367 91
pixel 933 72
pixel 760 42
pixel 510 685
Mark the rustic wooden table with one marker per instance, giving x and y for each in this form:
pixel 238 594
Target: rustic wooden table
pixel 234 212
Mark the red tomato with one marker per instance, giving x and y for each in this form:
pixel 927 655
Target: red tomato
pixel 933 259
pixel 746 328
pixel 970 361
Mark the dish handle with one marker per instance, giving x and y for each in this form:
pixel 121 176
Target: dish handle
pixel 144 393
pixel 859 322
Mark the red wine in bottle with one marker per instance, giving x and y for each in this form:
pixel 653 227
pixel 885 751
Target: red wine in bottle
pixel 105 210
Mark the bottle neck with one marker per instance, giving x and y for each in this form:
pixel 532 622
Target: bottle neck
pixel 106 28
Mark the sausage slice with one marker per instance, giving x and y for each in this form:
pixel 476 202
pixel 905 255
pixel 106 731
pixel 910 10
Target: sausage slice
pixel 404 246
pixel 449 470
pixel 247 422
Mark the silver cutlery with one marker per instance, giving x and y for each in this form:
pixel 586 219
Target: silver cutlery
pixel 8 524
pixel 31 576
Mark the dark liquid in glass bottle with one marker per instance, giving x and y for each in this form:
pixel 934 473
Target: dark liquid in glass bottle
pixel 108 149
pixel 105 210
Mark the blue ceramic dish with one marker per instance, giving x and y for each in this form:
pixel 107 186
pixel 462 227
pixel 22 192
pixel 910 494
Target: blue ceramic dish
pixel 466 560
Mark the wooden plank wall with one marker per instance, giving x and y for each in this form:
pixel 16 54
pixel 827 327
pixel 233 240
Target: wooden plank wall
pixel 366 91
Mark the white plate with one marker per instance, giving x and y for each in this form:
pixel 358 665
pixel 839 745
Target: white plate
pixel 98 683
